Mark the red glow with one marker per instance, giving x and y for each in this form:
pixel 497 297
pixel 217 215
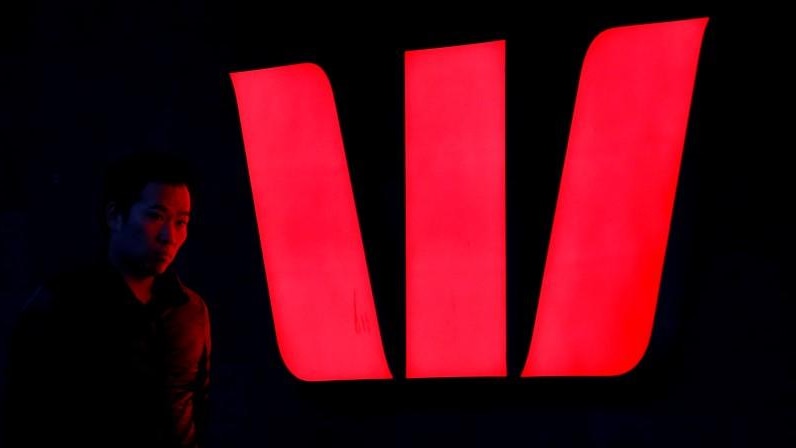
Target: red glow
pixel 607 247
pixel 455 211
pixel 318 282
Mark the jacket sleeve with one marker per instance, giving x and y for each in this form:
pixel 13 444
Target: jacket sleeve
pixel 202 394
pixel 189 379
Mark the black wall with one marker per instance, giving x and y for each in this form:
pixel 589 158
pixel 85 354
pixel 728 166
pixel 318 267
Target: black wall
pixel 84 82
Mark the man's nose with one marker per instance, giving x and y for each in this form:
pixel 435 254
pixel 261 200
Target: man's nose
pixel 166 233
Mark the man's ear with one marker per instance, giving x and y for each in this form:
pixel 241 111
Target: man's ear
pixel 113 216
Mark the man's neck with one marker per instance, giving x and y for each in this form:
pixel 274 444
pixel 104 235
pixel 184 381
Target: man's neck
pixel 140 285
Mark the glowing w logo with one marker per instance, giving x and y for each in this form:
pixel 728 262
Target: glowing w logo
pixel 610 229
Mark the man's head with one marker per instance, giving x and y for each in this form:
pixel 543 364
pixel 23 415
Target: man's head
pixel 147 208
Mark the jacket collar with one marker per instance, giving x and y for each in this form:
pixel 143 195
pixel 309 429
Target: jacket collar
pixel 167 288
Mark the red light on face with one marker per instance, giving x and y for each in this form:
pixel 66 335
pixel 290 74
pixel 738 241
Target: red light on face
pixel 607 247
pixel 455 211
pixel 318 282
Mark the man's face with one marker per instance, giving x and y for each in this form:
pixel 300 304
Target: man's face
pixel 155 228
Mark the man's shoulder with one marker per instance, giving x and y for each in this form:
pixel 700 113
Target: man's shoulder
pixel 194 300
pixel 53 296
pixel 194 310
pixel 58 286
pixel 73 278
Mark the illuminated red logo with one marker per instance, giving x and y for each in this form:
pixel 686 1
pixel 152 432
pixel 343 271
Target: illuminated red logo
pixel 610 229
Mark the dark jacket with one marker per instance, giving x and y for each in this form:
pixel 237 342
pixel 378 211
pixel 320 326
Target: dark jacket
pixel 90 365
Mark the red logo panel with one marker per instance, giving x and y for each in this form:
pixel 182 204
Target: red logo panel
pixel 610 229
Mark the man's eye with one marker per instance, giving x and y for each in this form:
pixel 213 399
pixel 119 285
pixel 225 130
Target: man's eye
pixel 182 223
pixel 155 216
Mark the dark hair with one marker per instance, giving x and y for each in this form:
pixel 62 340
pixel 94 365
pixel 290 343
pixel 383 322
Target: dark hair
pixel 126 178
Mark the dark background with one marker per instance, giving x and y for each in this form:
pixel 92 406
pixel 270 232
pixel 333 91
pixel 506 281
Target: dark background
pixel 85 82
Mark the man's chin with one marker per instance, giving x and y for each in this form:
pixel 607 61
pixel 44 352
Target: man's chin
pixel 161 268
pixel 155 268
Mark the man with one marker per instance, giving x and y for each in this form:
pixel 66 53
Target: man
pixel 117 353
